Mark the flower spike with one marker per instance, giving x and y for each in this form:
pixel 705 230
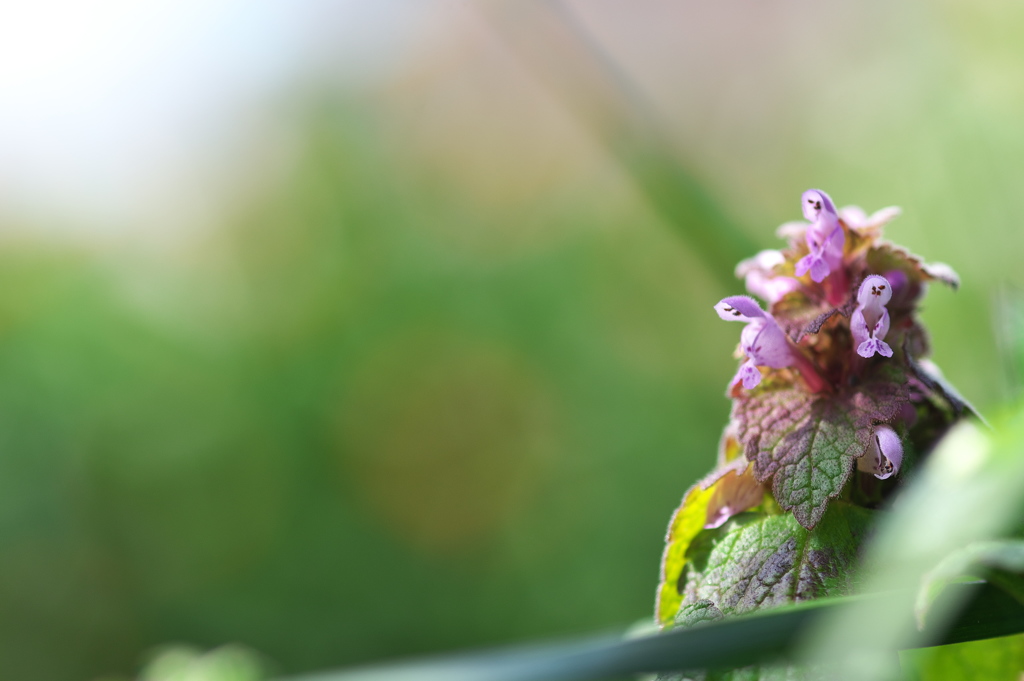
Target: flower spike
pixel 870 321
pixel 815 416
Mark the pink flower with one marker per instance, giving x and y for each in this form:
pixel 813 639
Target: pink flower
pixel 870 321
pixel 825 237
pixel 762 341
pixel 759 276
pixel 883 455
pixel 855 218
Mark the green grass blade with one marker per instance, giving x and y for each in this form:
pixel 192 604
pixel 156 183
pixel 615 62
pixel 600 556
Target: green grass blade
pixel 733 643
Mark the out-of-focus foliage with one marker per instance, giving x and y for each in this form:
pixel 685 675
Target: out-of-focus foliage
pixel 336 435
pixel 998 659
pixel 967 495
pixel 999 562
pixel 229 663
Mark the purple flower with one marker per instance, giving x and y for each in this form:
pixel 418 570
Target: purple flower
pixel 884 454
pixel 762 341
pixel 825 237
pixel 855 218
pixel 759 276
pixel 870 321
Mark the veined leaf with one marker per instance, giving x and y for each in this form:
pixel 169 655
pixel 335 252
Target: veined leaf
pixel 764 562
pixel 769 561
pixel 806 443
pixel 729 490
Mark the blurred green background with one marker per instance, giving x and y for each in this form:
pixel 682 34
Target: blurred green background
pixel 414 350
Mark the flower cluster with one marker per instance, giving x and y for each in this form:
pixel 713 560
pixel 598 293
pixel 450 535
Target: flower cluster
pixel 825 255
pixel 834 394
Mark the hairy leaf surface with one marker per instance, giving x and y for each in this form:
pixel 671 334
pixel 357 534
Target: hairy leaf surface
pixel 762 562
pixel 697 613
pixel 769 561
pixel 806 443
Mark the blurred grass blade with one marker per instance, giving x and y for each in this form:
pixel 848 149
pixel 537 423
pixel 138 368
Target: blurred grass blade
pixel 1001 562
pixel 970 490
pixel 560 53
pixel 774 635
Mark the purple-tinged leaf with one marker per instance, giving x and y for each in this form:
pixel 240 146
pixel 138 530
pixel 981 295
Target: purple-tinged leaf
pixel 806 443
pixel 764 562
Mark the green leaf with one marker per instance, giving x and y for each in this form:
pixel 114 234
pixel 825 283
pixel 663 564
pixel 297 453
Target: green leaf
pixel 183 663
pixel 768 561
pixel 761 640
pixel 1000 561
pixel 806 443
pixel 780 672
pixel 686 524
pixel 995 659
pixel 698 613
pixel 970 489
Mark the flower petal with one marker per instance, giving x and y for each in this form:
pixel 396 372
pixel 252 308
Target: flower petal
pixel 764 261
pixel 760 279
pixel 739 309
pixel 884 454
pixel 748 375
pixel 891 449
pixel 766 345
pixel 855 217
pixel 771 289
pixel 881 329
pixel 794 230
pixel 875 291
pixel 819 269
pixel 859 329
pixel 869 347
pixel 815 202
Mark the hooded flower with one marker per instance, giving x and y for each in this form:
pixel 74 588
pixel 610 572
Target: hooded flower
pixel 884 455
pixel 762 341
pixel 870 321
pixel 825 237
pixel 759 276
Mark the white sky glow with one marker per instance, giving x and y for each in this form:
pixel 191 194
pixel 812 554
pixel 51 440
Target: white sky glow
pixel 105 105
